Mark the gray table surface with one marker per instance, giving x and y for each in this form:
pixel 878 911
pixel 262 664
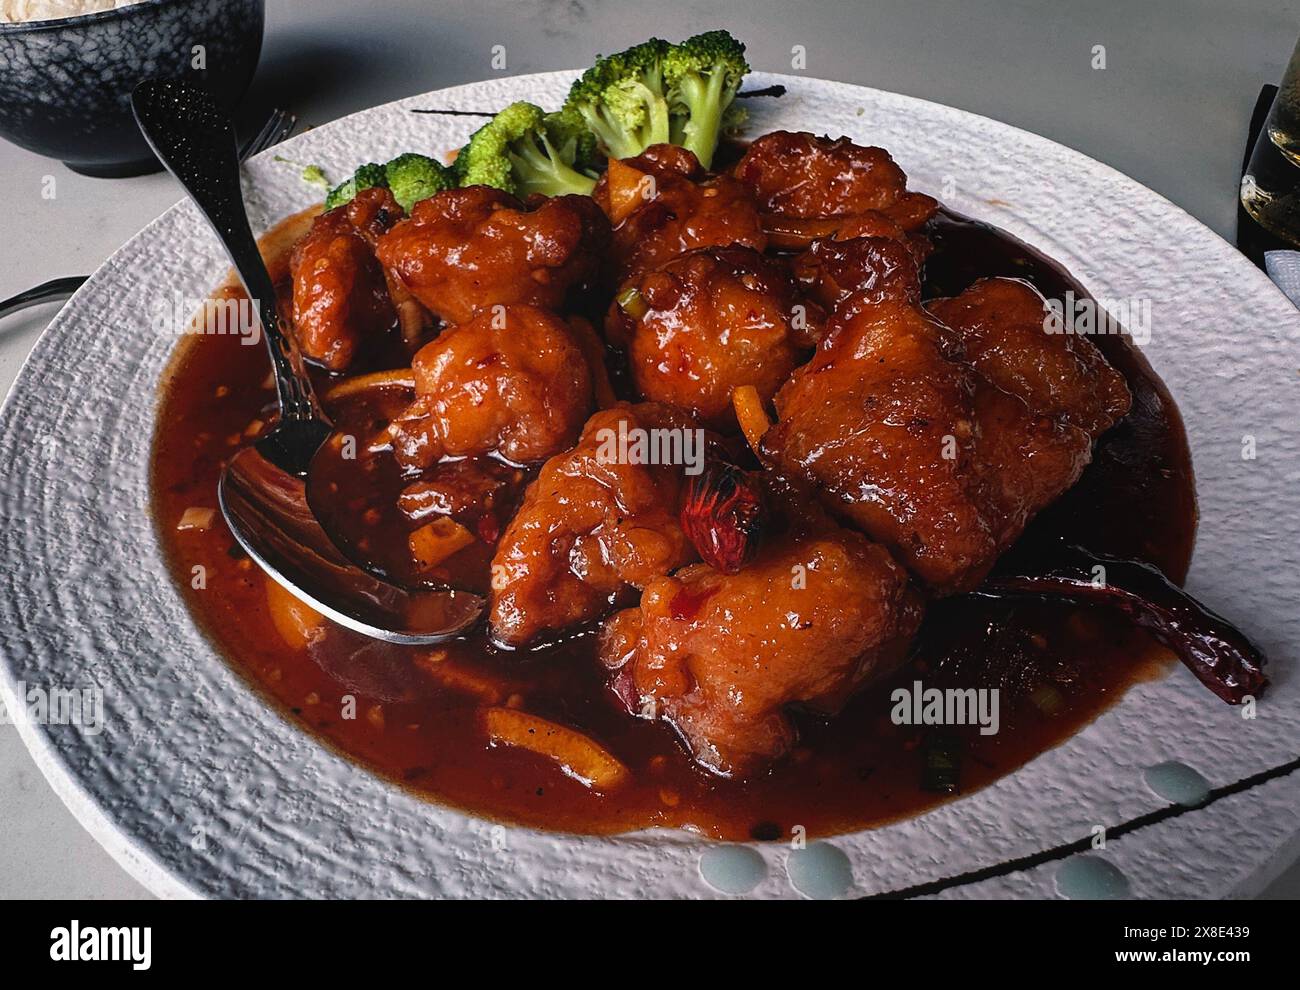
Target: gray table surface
pixel 1170 109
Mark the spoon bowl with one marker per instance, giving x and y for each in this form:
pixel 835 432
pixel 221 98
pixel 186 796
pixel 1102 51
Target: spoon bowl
pixel 266 509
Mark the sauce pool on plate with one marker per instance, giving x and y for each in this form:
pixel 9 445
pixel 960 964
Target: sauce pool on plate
pixel 416 714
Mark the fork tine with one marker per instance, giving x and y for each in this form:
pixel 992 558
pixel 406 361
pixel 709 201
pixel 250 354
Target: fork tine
pixel 290 121
pixel 277 127
pixel 252 145
pixel 287 120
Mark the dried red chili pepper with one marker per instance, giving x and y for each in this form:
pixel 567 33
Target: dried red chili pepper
pixel 1220 655
pixel 723 515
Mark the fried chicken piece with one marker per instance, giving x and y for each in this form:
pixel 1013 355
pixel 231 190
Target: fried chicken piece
pixel 372 213
pixel 340 296
pixel 820 612
pixel 801 175
pixel 790 233
pixel 872 223
pixel 707 322
pixel 342 293
pixel 662 204
pixel 881 421
pixel 465 250
pixel 870 269
pixel 1023 463
pixel 1003 326
pixel 916 448
pixel 661 160
pixel 511 382
pixel 592 524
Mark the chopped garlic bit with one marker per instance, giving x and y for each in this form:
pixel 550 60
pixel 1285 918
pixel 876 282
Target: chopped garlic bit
pixel 434 542
pixel 196 518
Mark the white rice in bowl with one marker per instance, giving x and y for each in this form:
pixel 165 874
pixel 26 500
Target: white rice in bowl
pixel 22 11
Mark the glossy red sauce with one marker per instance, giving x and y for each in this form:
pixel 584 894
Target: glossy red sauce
pixel 420 724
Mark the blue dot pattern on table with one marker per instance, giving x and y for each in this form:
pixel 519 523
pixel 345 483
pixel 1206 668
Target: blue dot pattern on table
pixel 732 869
pixel 1091 878
pixel 820 871
pixel 1179 783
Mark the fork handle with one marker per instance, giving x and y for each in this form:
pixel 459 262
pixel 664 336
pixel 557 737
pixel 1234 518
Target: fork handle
pixel 57 288
pixel 195 141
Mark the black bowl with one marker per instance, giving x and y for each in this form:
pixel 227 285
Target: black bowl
pixel 65 85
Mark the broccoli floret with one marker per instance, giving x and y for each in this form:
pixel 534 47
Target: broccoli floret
pixel 622 100
pixel 702 75
pixel 413 177
pixel 366 177
pixel 314 175
pixel 525 150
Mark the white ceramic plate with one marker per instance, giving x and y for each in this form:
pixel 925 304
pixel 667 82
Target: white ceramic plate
pixel 199 788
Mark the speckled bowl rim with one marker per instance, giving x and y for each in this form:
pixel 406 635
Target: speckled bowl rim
pixel 1022 813
pixel 80 20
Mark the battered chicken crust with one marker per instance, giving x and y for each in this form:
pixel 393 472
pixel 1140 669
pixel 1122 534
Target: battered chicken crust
pixel 869 268
pixel 819 613
pixel 511 382
pixel 590 527
pixel 683 208
pixel 901 433
pixel 340 293
pixel 706 323
pixel 802 175
pixel 1004 327
pixel 465 250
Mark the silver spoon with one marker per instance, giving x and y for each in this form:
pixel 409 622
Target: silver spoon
pixel 262 490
